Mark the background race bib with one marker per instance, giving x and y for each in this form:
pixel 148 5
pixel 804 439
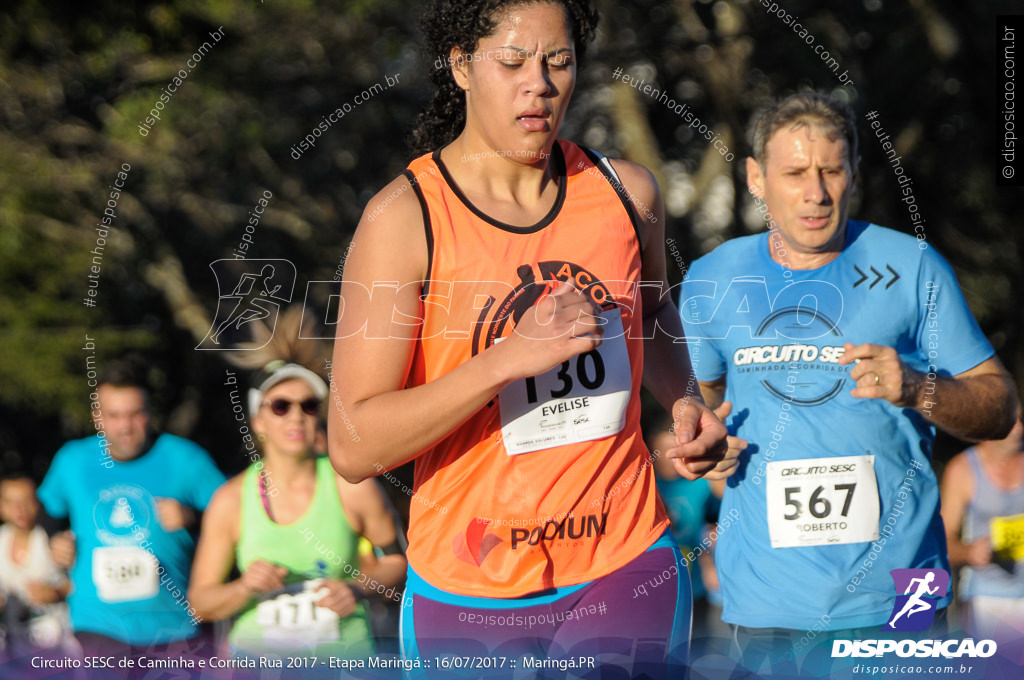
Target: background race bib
pixel 583 399
pixel 1008 536
pixel 124 573
pixel 293 620
pixel 45 629
pixel 822 501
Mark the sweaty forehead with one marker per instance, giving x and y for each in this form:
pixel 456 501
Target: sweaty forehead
pixel 799 139
pixel 532 20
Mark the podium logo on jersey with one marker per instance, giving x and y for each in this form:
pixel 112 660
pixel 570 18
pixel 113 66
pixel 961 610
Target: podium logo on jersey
pixel 569 527
pixel 248 291
pixel 921 590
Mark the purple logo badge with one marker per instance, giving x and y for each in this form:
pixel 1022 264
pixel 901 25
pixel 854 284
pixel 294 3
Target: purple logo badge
pixel 921 589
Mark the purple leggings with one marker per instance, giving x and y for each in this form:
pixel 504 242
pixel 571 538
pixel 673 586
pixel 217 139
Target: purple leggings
pixel 632 623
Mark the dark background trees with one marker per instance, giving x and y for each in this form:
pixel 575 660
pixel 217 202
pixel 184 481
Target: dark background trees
pixel 76 81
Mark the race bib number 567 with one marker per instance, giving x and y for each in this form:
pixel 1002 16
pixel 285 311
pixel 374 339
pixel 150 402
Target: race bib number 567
pixel 822 501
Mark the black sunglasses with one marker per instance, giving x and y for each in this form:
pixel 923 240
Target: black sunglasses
pixel 280 407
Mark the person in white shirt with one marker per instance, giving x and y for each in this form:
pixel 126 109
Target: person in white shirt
pixel 32 586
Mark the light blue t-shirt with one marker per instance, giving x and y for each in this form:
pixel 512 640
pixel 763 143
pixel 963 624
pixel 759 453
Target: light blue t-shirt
pixel 120 590
pixel 776 335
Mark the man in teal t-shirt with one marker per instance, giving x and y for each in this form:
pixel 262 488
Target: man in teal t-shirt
pixel 130 496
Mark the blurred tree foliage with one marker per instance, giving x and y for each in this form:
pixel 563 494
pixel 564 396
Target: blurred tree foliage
pixel 76 82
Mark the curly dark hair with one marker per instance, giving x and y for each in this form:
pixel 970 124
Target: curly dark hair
pixel 456 23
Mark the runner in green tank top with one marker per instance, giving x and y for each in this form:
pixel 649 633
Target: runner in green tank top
pixel 291 620
pixel 292 527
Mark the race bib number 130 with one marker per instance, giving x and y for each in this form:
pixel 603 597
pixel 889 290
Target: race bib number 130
pixel 583 399
pixel 822 501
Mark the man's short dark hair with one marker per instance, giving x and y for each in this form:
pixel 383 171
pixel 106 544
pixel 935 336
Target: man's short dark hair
pixel 17 476
pixel 127 372
pixel 832 116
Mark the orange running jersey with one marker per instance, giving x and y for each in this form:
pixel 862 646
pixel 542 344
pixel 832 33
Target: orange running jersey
pixel 550 484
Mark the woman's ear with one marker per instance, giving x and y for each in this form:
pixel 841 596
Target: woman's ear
pixel 257 424
pixel 459 62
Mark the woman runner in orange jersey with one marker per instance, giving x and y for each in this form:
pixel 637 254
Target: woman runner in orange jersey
pixel 502 300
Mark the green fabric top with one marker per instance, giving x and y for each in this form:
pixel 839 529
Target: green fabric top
pixel 320 544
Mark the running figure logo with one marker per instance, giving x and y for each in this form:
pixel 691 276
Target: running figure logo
pixel 258 289
pixel 922 589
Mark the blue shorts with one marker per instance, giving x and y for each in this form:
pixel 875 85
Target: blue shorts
pixel 634 622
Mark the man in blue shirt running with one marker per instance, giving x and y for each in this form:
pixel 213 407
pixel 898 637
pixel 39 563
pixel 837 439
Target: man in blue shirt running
pixel 130 496
pixel 841 345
